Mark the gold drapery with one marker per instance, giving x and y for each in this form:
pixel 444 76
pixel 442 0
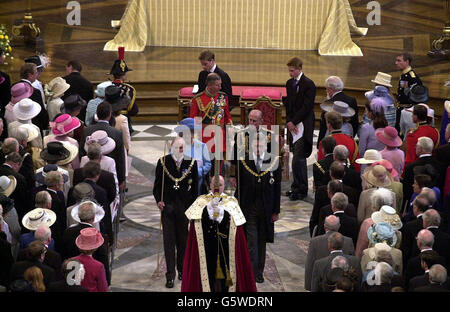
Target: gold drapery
pixel 323 25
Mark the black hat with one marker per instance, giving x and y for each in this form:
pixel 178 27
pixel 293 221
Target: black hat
pixel 120 67
pixel 7 203
pixel 117 98
pixel 40 176
pixel 54 151
pixel 417 94
pixel 35 60
pixel 72 103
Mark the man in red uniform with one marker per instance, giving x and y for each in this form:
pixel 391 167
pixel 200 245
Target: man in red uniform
pixel 420 117
pixel 212 106
pixel 334 125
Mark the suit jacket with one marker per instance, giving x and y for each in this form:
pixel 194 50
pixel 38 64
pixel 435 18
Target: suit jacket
pixel 6 261
pixel 62 286
pixel 409 233
pixel 27 168
pixel 354 120
pixel 325 211
pixel 321 171
pixel 106 181
pixel 118 154
pixel 349 226
pixel 318 249
pixel 22 203
pixel 71 250
pixel 226 81
pixel 52 259
pixel 19 268
pixel 41 120
pixel 423 280
pixel 414 268
pixel 322 266
pixel 442 156
pixel 300 108
pixel 351 178
pixel 81 86
pixel 441 244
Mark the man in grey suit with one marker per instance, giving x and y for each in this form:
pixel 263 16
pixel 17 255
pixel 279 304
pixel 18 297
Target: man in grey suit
pixel 318 247
pixel 322 266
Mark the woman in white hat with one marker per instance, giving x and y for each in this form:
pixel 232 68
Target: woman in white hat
pixel 25 110
pixel 54 90
pixel 92 105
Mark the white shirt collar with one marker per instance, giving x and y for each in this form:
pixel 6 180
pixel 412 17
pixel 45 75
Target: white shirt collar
pixel 424 155
pixel 419 215
pixel 8 165
pixel 48 189
pixel 299 76
pixel 213 68
pixel 104 121
pixel 426 249
pixel 432 227
pixel 340 211
pixel 27 81
pixel 334 251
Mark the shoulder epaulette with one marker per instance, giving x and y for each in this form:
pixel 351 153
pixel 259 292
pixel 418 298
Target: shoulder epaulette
pixel 412 74
pixel 320 167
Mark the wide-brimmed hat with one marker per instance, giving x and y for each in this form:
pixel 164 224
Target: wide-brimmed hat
pixel 377 248
pixel 101 137
pixel 40 176
pixel 101 87
pixel 378 176
pixel 99 212
pixel 447 106
pixel 339 107
pixel 382 232
pixel 26 109
pixel 63 124
pixel 383 79
pixel 32 130
pixel 389 137
pixel 82 191
pixel 56 87
pixel 117 98
pixel 73 103
pixel 430 111
pixel 89 239
pixel 7 185
pixel 417 94
pixel 389 215
pixel 370 156
pixel 20 91
pixel 38 217
pixel 54 151
pixel 73 152
pixel 388 165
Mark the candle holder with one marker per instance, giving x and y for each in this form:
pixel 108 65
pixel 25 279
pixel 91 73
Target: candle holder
pixel 27 31
pixel 441 46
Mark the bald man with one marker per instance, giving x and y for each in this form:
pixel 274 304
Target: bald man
pixel 175 189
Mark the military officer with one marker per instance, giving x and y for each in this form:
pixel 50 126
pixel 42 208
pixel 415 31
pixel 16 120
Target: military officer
pixel 408 77
pixel 321 167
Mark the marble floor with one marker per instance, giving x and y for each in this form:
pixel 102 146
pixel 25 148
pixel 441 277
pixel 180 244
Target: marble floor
pixel 139 263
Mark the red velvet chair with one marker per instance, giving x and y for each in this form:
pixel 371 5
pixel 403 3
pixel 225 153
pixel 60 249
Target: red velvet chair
pixel 184 98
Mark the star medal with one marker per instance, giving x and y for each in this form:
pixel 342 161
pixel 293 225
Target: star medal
pixel 272 180
pixel 176 186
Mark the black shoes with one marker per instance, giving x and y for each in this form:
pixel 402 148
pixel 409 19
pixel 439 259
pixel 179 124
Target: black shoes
pixel 169 283
pixel 180 275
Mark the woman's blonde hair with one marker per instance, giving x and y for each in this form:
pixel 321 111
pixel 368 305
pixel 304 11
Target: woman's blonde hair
pixel 35 277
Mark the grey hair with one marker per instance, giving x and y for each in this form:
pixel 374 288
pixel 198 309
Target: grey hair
pixel 438 274
pixel 431 218
pixel 332 223
pixel 339 201
pixel 384 256
pixel 430 195
pixel 42 233
pixel 385 272
pixel 336 240
pixel 335 83
pixel 86 211
pixel 381 197
pixel 426 144
pixel 42 199
pixel 340 152
pixel 94 151
pixel 340 262
pixel 425 238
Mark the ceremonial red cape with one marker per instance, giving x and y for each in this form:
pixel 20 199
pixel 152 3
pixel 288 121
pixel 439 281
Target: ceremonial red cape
pixel 191 268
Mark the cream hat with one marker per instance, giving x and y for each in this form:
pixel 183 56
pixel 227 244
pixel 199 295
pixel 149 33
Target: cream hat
pixel 383 79
pixel 389 215
pixel 370 156
pixel 32 130
pixel 56 87
pixel 73 150
pixel 7 185
pixel 37 217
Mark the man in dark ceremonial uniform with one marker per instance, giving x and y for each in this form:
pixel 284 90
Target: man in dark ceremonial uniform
pixel 321 167
pixel 209 66
pixel 175 189
pixel 258 192
pixel 119 71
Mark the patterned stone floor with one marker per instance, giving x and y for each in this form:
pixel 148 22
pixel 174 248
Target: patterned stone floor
pixel 139 259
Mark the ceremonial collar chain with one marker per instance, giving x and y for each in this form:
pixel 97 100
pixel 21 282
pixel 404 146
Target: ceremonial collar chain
pixel 259 175
pixel 176 180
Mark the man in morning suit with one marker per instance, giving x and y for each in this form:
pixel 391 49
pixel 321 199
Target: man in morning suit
pixel 175 189
pixel 209 66
pixel 301 94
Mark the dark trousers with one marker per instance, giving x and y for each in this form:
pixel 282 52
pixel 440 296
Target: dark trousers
pixel 175 233
pixel 255 232
pixel 299 169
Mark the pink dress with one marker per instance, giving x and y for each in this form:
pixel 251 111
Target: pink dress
pixel 95 276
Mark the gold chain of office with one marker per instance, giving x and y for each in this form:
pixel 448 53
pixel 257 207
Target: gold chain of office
pixel 259 175
pixel 176 180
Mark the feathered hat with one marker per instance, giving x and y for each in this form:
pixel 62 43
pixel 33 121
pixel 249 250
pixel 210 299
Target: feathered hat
pixel 120 67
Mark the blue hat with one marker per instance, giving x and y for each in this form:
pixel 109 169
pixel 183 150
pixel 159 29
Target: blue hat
pixel 187 122
pixel 382 232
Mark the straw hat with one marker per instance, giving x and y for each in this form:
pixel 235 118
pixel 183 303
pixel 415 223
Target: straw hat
pixel 370 156
pixel 20 91
pixel 73 152
pixel 339 107
pixel 382 232
pixel 63 124
pixel 378 176
pixel 89 239
pixel 388 165
pixel 389 215
pixel 32 130
pixel 37 217
pixel 26 109
pixel 7 185
pixel 100 91
pixel 101 137
pixel 377 248
pixel 83 191
pixel 99 212
pixel 56 87
pixel 389 137
pixel 383 79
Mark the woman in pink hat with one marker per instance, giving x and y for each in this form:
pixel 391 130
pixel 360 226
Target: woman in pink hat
pixel 62 130
pixel 95 276
pixel 19 91
pixel 389 137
